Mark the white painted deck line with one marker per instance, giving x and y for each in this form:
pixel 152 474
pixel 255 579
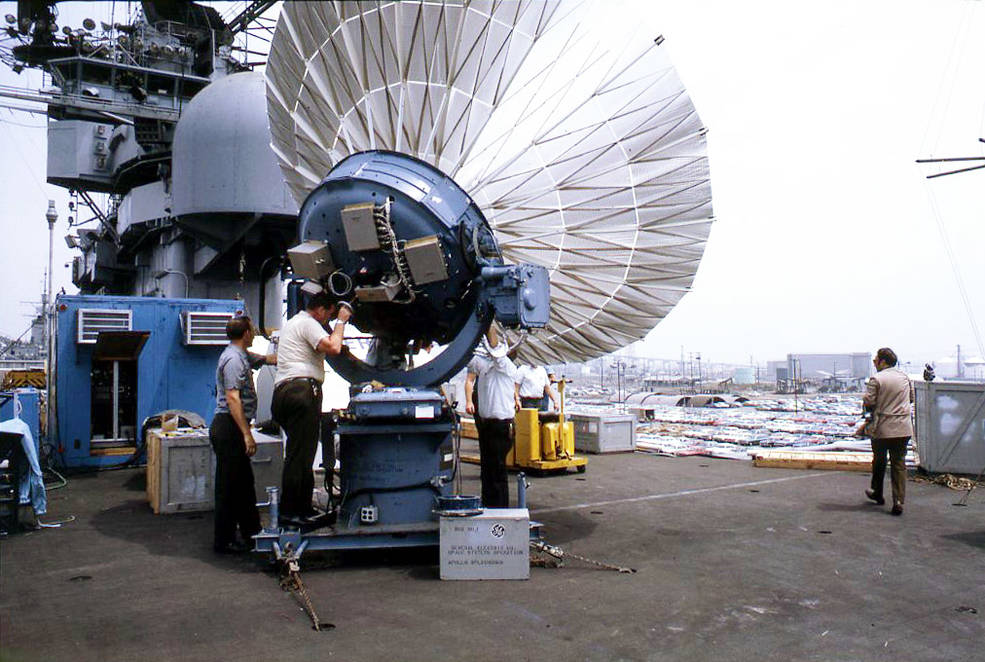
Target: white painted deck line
pixel 671 495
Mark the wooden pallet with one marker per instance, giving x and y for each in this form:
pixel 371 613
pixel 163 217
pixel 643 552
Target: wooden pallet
pixel 124 451
pixel 154 469
pixel 814 460
pixel 469 430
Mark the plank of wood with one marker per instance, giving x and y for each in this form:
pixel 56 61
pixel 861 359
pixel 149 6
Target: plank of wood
pixel 108 452
pixel 656 446
pixel 806 460
pixel 153 469
pixel 469 430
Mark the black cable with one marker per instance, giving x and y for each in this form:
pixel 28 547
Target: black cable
pixel 400 488
pixel 262 303
pixel 63 483
pixel 456 443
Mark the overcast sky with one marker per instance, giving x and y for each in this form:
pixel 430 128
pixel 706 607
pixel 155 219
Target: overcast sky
pixel 826 238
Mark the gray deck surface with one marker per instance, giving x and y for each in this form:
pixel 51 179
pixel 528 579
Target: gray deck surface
pixel 735 563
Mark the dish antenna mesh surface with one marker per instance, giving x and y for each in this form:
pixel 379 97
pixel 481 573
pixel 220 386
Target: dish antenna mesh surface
pixel 586 158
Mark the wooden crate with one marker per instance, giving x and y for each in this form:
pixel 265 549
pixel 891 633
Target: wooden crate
pixel 180 471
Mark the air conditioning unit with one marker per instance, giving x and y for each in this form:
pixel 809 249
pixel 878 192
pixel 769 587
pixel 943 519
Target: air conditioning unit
pixel 90 321
pixel 204 328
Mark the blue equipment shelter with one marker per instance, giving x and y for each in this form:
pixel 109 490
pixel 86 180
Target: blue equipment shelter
pixel 121 359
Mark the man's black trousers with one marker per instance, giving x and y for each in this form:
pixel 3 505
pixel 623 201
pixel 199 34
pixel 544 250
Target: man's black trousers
pixel 296 406
pixel 235 497
pixel 494 445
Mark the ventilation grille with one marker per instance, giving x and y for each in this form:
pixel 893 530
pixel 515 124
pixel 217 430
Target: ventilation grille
pixel 205 328
pixel 91 321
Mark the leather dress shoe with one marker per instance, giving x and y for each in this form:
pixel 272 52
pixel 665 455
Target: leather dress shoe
pixel 897 509
pixel 875 497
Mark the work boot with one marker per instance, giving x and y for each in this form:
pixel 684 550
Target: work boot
pixel 875 497
pixel 897 508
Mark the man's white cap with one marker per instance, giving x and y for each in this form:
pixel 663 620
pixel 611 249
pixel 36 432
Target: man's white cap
pixel 496 352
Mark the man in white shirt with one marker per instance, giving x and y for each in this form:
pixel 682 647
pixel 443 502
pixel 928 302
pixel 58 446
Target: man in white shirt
pixel 533 387
pixel 496 375
pixel 297 400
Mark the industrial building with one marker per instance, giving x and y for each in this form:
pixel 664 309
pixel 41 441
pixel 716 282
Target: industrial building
pixel 818 367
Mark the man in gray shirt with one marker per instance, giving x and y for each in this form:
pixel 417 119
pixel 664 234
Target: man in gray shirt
pixel 232 440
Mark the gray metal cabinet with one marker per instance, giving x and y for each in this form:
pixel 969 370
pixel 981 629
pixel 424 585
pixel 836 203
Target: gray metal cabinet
pixel 950 426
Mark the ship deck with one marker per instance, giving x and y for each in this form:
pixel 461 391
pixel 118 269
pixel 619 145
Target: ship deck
pixel 733 562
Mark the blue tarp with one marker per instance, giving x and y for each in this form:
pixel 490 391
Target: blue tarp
pixel 32 482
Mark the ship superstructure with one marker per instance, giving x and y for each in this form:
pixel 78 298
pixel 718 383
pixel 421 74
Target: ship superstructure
pixel 157 127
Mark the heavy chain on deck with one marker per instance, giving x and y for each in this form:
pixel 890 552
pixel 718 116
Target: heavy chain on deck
pixel 555 552
pixel 291 581
pixel 949 480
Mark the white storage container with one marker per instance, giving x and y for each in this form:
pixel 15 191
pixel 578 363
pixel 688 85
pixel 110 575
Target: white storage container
pixel 604 433
pixel 267 462
pixel 950 426
pixel 492 545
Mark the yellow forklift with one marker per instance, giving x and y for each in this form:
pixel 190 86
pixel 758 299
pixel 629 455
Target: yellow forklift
pixel 544 441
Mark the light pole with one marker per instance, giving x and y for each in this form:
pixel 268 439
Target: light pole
pixel 681 380
pixel 796 384
pixel 690 372
pixel 620 372
pixel 49 314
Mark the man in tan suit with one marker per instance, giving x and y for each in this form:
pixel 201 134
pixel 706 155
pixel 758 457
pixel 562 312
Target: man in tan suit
pixel 888 397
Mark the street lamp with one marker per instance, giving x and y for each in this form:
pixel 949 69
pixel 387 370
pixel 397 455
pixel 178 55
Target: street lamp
pixel 51 216
pixel 620 367
pixel 797 369
pixel 49 313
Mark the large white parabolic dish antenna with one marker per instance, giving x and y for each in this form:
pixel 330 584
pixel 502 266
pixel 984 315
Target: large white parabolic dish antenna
pixel 586 156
